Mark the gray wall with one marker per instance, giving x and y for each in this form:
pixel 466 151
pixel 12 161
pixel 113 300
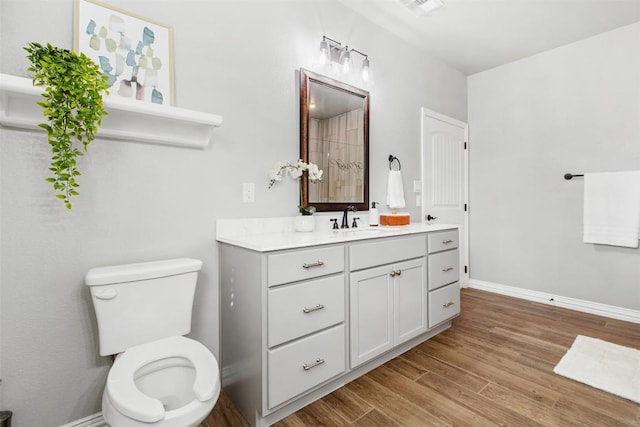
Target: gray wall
pixel 573 109
pixel 143 202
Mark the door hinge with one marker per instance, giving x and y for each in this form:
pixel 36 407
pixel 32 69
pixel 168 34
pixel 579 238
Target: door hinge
pixel 465 207
pixel 465 269
pixel 465 145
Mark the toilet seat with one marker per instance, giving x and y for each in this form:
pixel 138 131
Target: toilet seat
pixel 131 402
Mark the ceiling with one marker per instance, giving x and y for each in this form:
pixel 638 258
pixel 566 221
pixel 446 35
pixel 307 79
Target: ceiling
pixel 475 35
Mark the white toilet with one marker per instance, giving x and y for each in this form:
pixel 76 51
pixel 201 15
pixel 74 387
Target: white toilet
pixel 159 377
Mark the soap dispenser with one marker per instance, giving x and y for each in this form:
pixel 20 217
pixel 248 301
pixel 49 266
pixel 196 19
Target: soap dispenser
pixel 374 216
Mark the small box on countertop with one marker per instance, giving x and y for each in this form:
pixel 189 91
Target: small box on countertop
pixel 395 219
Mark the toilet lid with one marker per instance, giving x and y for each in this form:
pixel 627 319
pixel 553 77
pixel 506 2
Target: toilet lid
pixel 130 401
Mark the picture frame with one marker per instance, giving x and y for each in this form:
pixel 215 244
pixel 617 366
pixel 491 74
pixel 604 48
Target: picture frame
pixel 136 53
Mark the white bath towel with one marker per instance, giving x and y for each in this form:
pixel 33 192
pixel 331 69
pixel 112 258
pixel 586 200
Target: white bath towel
pixel 612 208
pixel 395 192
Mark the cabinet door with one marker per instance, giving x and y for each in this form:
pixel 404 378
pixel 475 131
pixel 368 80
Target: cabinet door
pixel 410 295
pixel 371 313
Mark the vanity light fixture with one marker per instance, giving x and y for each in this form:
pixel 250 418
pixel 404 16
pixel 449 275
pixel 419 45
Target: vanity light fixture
pixel 325 53
pixel 332 51
pixel 366 70
pixel 345 60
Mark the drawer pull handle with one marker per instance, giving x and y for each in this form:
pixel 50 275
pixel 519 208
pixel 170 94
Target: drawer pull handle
pixel 446 242
pixel 313 264
pixel 313 365
pixel 447 269
pixel 309 310
pixel 447 305
pixel 395 273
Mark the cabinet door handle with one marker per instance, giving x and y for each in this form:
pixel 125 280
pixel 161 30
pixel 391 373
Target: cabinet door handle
pixel 314 308
pixel 446 242
pixel 447 305
pixel 313 264
pixel 392 274
pixel 313 365
pixel 447 269
pixel 398 272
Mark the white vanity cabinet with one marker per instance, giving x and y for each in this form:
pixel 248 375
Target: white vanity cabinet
pixel 282 324
pixel 444 276
pixel 302 317
pixel 298 315
pixel 388 304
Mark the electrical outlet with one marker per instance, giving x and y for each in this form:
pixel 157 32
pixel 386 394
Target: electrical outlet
pixel 418 200
pixel 248 192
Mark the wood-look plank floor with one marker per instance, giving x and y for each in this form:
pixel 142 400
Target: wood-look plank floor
pixel 493 367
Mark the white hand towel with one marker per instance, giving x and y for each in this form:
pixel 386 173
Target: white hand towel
pixel 395 192
pixel 612 208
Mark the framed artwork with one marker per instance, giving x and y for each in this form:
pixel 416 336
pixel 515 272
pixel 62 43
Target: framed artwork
pixel 134 52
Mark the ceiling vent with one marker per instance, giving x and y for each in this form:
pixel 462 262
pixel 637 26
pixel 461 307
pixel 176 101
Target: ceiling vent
pixel 422 7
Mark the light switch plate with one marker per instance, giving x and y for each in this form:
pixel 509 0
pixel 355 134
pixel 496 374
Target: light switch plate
pixel 417 186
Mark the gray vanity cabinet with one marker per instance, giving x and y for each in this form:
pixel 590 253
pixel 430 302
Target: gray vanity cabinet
pixel 388 303
pixel 300 322
pixel 444 276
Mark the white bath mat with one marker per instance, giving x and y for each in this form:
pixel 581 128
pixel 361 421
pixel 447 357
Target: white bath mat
pixel 600 364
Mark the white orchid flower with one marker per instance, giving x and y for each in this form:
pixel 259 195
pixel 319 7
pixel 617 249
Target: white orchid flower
pixel 315 173
pixel 295 172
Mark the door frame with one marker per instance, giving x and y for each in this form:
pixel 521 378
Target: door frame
pixel 425 112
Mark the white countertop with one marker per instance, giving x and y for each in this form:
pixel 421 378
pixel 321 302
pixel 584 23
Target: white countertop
pixel 273 234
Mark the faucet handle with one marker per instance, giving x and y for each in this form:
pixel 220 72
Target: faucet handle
pixel 355 224
pixel 335 223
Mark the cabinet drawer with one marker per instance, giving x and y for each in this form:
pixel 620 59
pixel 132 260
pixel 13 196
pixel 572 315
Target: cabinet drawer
pixel 443 240
pixel 386 251
pixel 301 365
pixel 300 265
pixel 444 268
pixel 303 308
pixel 444 303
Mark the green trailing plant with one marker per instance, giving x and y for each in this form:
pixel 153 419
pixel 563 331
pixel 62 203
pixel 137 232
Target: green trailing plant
pixel 74 86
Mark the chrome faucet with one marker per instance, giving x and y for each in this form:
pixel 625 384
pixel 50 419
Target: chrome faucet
pixel 345 220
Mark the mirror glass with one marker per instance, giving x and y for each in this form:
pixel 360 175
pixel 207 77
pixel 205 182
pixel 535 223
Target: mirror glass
pixel 334 134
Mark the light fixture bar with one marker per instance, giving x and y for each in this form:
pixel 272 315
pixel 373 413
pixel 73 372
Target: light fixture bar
pixel 332 51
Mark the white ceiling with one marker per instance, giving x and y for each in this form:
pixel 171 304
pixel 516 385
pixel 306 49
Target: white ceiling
pixel 475 35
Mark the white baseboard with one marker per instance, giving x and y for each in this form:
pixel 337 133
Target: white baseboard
pixel 605 310
pixel 95 420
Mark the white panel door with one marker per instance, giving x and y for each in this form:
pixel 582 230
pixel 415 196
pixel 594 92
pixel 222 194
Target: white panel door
pixel 445 176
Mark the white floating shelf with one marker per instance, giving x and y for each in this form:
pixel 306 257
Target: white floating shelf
pixel 127 120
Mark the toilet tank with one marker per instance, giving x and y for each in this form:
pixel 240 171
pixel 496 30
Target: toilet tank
pixel 139 303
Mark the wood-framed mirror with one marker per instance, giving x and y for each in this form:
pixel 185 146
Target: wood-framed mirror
pixel 334 134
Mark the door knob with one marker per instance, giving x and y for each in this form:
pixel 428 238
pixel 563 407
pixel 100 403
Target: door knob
pixel 430 218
